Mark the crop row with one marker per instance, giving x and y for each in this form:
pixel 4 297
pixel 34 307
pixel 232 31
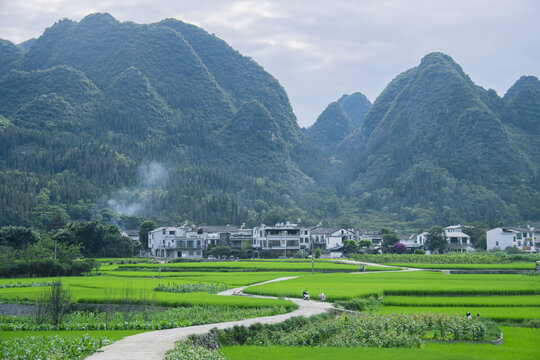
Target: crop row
pixel 144 320
pixel 478 301
pixel 455 258
pixel 509 266
pixel 253 266
pixel 504 314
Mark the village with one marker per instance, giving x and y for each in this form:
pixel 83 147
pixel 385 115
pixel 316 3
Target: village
pixel 287 240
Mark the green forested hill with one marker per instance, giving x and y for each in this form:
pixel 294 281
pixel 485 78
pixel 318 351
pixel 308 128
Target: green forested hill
pixel 90 104
pixel 435 141
pixel 169 122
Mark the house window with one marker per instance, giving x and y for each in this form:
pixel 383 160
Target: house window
pixel 497 243
pixel 172 232
pixel 163 231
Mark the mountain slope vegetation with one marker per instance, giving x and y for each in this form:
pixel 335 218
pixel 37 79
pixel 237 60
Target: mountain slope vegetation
pixel 166 121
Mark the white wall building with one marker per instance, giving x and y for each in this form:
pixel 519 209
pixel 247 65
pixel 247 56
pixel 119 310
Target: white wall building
pixel 285 239
pixel 330 238
pixel 458 241
pixel 175 242
pixel 525 239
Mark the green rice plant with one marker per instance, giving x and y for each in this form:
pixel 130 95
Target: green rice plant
pixel 325 266
pixel 450 258
pixel 500 314
pixel 477 301
pixel 457 266
pixel 188 288
pixel 104 289
pixel 50 347
pixel 348 286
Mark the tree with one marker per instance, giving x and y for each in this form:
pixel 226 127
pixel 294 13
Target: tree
pixel 317 253
pixel 144 229
pixel 389 239
pixel 477 232
pixel 350 246
pixel 365 243
pixel 401 248
pixel 17 237
pixel 436 239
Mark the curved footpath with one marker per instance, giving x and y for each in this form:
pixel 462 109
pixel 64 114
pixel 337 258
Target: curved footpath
pixel 354 262
pixel 155 344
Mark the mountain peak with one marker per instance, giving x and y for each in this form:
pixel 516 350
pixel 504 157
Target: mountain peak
pixel 355 106
pixel 436 58
pixel 331 127
pixel 99 19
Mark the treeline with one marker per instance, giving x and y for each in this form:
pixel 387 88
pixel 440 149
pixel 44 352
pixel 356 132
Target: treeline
pixel 62 250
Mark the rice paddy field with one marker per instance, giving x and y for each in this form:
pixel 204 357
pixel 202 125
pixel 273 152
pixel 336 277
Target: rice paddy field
pixel 347 286
pixel 509 266
pixel 508 299
pixel 249 265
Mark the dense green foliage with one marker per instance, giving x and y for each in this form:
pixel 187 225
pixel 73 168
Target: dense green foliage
pixel 396 330
pixel 145 318
pixel 168 121
pixel 519 344
pixel 436 148
pixel 50 347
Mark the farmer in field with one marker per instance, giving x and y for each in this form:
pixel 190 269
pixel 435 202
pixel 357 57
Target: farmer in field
pixel 305 295
pixel 322 297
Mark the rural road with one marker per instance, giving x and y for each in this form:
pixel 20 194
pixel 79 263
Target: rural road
pixel 153 345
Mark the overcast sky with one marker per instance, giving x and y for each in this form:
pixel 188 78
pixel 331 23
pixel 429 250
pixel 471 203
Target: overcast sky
pixel 321 49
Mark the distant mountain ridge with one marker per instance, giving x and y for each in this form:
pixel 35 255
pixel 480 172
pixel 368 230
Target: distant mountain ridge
pixel 433 139
pixel 168 121
pixel 93 101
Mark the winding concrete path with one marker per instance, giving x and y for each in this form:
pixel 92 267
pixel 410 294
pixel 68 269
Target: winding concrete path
pixel 153 345
pixel 354 262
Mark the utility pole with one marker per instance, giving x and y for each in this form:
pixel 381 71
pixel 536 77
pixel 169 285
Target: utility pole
pixel 312 256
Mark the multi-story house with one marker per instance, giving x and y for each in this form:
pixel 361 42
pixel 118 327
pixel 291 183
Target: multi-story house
pixel 458 241
pixel 281 239
pixel 175 242
pixel 525 239
pixel 324 238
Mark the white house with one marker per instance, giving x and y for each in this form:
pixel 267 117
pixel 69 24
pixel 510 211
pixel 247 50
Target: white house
pixel 374 236
pixel 525 239
pixel 458 241
pixel 175 242
pixel 215 235
pixel 285 239
pixel 415 241
pixel 241 239
pixel 330 238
